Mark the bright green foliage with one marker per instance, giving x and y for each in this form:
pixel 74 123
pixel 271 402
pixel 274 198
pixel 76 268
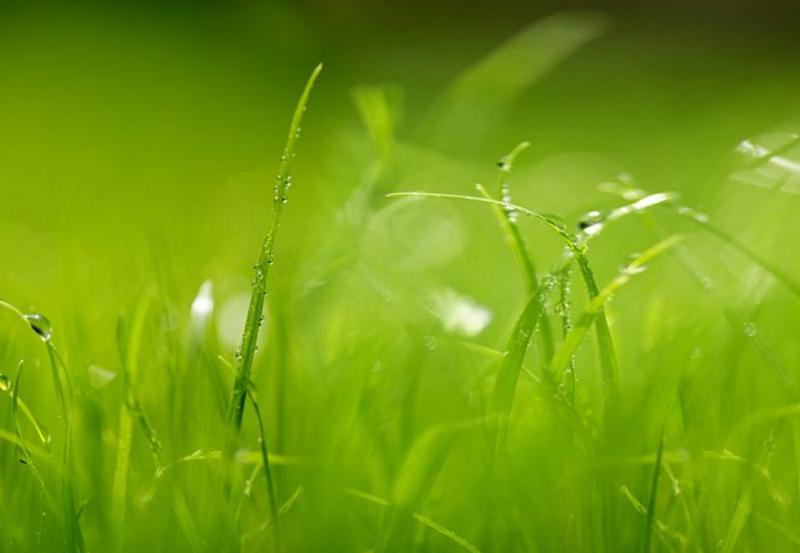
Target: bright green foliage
pixel 596 351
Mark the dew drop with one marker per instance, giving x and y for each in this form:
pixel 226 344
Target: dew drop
pixel 511 212
pixel 590 220
pixel 5 383
pixel 40 325
pixel 633 269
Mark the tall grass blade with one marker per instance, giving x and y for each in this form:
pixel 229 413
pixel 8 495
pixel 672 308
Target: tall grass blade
pixel 247 350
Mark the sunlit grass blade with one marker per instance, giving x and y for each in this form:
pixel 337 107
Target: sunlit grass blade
pixel 670 200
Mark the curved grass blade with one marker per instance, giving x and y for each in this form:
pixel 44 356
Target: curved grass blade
pixel 41 432
pixel 41 326
pixel 272 494
pixel 27 456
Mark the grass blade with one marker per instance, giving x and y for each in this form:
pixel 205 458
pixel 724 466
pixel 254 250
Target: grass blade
pixel 247 350
pixel 651 502
pixel 507 218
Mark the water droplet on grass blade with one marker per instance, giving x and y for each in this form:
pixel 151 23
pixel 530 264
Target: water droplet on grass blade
pixel 5 383
pixel 591 223
pixel 590 218
pixel 511 212
pixel 41 325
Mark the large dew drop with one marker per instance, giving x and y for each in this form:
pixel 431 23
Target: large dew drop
pixel 40 325
pixel 5 383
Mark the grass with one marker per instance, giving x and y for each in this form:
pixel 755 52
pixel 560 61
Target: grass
pixel 560 360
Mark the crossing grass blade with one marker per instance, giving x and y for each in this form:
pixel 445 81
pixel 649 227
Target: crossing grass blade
pixel 576 250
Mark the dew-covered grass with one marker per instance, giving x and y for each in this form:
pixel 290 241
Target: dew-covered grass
pixel 535 290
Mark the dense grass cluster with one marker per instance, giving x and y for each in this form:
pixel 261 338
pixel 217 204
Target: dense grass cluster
pixel 629 383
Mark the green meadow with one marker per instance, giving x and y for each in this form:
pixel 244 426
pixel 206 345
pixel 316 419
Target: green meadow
pixel 418 278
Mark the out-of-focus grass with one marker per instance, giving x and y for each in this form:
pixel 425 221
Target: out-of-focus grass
pixel 137 154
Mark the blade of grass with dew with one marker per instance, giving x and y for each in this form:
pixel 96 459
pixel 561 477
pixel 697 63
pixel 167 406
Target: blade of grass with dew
pixel 570 344
pixel 704 221
pixel 42 327
pixel 564 311
pixel 255 310
pixel 41 432
pixel 507 218
pixel 608 359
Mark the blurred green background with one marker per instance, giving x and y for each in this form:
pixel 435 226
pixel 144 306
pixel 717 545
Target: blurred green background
pixel 138 147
